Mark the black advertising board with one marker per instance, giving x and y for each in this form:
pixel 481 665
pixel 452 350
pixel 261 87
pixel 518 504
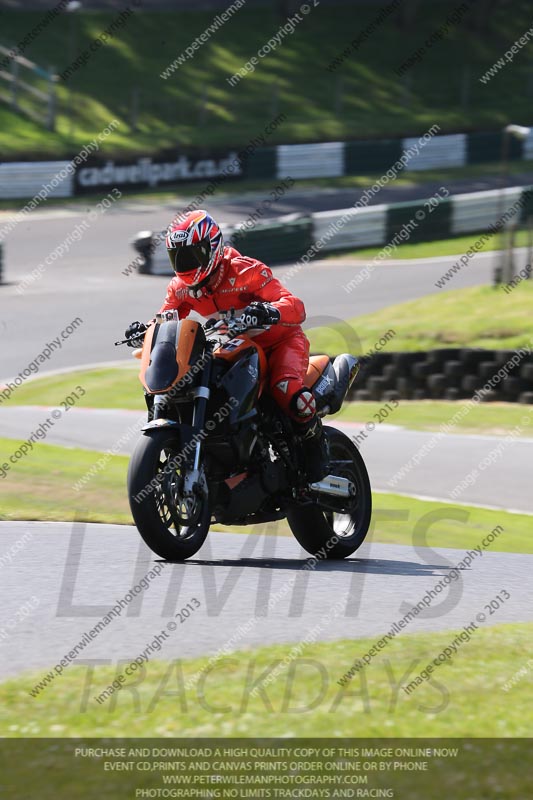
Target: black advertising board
pixel 96 175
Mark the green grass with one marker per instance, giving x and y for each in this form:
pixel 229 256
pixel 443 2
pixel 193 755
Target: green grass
pixel 404 520
pixel 428 415
pixel 481 316
pixel 52 472
pixel 465 698
pixel 107 387
pixel 112 388
pixel 371 101
pixel 40 486
pixel 398 519
pixel 455 246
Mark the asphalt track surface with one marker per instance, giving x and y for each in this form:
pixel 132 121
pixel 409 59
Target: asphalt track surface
pixel 77 573
pixel 233 574
pixel 88 281
pixel 504 483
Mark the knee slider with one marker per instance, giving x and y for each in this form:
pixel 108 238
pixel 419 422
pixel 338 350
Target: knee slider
pixel 303 405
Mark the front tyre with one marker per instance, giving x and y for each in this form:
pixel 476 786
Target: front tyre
pixel 321 529
pixel 172 526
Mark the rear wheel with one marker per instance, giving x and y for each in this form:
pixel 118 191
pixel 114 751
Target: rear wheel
pixel 338 527
pixel 173 526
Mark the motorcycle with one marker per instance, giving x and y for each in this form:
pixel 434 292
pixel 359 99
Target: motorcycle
pixel 217 449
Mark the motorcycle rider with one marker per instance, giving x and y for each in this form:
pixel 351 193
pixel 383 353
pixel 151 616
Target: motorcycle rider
pixel 211 277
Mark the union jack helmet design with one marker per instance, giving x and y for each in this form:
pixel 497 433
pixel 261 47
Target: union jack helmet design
pixel 195 248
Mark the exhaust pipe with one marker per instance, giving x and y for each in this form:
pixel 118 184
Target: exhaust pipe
pixel 334 486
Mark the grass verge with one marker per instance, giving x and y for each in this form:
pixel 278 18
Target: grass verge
pixel 480 316
pixel 454 246
pixel 52 472
pixel 364 97
pixel 41 485
pixel 497 419
pixel 462 698
pixel 106 387
pixel 113 388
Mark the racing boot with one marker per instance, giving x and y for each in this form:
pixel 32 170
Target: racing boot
pixel 308 426
pixel 315 450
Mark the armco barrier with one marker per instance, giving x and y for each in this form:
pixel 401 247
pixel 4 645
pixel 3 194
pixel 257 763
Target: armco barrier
pixel 24 180
pixel 371 157
pixel 378 156
pixel 97 175
pixel 477 210
pixel 316 159
pixel 431 223
pixel 482 147
pixel 527 207
pixel 152 253
pixel 438 152
pixel 527 146
pixel 272 241
pixel 275 241
pixel 374 226
pixel 288 238
pixel 323 160
pixel 262 163
pixel 348 228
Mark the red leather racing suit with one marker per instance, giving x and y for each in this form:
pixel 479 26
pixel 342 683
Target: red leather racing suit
pixel 238 281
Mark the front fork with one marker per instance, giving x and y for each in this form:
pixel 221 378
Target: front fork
pixel 194 482
pixel 194 477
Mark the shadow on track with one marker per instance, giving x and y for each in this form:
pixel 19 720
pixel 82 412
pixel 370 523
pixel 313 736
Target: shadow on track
pixel 374 566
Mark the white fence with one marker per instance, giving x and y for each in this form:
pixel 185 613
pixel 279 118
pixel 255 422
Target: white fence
pixel 324 160
pixel 34 95
pixel 27 179
pixel 478 210
pixel 364 227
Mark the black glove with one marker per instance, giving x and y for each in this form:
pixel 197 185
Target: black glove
pixel 134 333
pixel 258 314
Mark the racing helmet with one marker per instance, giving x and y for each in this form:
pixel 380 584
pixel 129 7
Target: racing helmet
pixel 195 247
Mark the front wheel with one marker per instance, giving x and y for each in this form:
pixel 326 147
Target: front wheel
pixel 173 526
pixel 330 533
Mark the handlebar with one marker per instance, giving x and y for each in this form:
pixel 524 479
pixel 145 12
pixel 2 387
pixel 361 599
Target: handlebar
pixel 228 320
pixel 233 324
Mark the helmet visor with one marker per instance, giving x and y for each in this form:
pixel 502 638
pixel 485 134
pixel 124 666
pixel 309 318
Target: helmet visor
pixel 189 257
